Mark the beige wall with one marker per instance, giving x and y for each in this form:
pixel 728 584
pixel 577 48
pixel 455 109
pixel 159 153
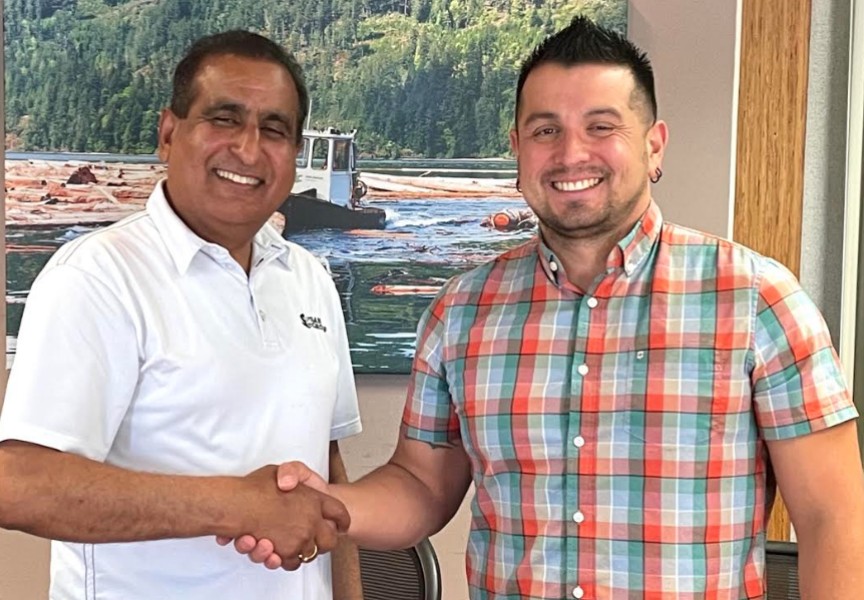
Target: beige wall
pixel 23 567
pixel 693 47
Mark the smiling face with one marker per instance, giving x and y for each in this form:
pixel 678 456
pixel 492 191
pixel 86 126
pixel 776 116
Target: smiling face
pixel 231 158
pixel 585 148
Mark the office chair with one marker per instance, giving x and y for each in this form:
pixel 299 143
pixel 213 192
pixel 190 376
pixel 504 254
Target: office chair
pixel 781 571
pixel 410 574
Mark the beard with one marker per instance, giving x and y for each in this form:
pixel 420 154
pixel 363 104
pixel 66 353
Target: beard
pixel 578 221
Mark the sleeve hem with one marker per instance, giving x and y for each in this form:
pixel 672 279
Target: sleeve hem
pixel 347 430
pixel 50 439
pixel 786 432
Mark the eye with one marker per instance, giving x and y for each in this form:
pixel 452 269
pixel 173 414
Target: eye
pixel 601 128
pixel 274 132
pixel 224 120
pixel 544 132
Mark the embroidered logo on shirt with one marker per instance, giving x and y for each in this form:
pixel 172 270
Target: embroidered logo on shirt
pixel 313 322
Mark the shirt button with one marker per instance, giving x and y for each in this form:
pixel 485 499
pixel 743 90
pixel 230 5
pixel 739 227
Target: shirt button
pixel 578 517
pixel 582 370
pixel 553 266
pixel 592 302
pixel 578 592
pixel 578 441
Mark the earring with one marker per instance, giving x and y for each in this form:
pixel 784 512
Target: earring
pixel 658 173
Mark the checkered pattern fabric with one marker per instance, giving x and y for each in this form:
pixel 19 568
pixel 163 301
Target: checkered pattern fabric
pixel 617 437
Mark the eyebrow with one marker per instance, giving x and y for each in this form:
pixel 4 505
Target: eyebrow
pixel 216 107
pixel 603 111
pixel 540 116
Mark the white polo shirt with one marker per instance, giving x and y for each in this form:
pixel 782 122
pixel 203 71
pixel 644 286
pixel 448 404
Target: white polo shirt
pixel 145 347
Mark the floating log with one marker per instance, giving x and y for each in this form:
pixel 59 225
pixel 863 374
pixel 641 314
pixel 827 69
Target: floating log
pixel 38 195
pixel 449 186
pixel 405 290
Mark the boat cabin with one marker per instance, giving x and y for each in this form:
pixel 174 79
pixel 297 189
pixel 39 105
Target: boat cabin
pixel 327 163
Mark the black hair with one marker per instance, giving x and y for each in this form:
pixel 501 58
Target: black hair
pixel 584 42
pixel 238 43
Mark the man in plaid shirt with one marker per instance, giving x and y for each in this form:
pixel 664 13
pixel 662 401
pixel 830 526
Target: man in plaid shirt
pixel 619 389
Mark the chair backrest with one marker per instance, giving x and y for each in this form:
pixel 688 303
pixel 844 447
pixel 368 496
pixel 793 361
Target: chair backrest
pixel 410 574
pixel 781 571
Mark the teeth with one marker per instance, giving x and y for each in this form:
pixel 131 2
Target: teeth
pixel 575 186
pixel 241 179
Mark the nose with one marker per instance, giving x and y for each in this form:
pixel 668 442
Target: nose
pixel 574 148
pixel 247 144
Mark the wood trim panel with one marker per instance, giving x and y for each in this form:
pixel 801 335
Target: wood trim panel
pixel 769 187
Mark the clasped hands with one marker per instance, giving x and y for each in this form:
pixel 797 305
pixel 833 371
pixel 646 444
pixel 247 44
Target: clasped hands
pixel 292 522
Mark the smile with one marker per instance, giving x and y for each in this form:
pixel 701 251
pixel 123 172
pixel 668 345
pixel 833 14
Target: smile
pixel 237 178
pixel 576 186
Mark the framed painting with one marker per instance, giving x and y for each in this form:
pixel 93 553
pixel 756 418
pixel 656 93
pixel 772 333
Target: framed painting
pixel 412 101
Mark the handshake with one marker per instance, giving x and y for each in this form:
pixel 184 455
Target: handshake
pixel 289 518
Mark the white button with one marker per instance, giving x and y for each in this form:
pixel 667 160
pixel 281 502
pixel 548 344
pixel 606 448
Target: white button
pixel 578 592
pixel 582 370
pixel 553 266
pixel 578 517
pixel 640 355
pixel 578 441
pixel 592 302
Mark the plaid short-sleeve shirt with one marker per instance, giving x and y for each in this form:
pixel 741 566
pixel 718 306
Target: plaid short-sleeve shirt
pixel 617 437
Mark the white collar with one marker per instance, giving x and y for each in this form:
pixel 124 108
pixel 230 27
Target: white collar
pixel 183 243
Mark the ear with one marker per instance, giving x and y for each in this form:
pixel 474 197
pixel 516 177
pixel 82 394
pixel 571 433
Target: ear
pixel 167 123
pixel 514 142
pixel 655 142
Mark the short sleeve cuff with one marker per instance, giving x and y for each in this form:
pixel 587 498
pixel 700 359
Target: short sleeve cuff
pixel 787 432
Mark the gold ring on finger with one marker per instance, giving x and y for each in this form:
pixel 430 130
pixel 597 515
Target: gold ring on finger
pixel 305 559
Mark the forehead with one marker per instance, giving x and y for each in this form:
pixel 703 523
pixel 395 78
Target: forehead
pixel 248 81
pixel 555 87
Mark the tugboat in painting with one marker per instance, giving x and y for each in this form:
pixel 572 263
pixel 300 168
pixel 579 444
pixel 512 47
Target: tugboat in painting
pixel 328 190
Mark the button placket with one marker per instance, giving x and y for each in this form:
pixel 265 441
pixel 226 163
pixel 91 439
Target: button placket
pixel 266 329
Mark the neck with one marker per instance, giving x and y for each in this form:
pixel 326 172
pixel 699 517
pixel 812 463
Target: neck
pixel 585 257
pixel 236 239
pixel 243 256
pixel 238 246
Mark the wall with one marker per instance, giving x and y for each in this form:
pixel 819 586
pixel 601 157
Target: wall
pixel 693 47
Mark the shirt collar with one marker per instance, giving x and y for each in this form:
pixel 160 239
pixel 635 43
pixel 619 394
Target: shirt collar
pixel 183 243
pixel 636 246
pixel 629 253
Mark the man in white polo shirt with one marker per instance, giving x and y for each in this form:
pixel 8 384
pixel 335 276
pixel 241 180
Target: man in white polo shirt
pixel 165 364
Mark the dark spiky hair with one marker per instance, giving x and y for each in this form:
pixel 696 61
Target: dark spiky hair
pixel 584 42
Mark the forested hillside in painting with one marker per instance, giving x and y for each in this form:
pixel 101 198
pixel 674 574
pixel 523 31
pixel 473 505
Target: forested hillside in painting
pixel 431 78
